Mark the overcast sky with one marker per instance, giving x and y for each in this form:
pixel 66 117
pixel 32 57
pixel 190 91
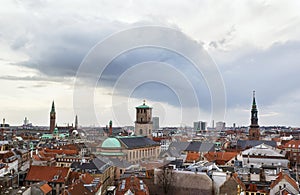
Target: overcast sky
pixel 255 45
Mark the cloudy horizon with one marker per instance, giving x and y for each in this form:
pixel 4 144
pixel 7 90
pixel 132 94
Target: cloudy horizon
pixel 255 45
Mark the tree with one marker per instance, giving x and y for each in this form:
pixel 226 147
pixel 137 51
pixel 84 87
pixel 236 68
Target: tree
pixel 166 178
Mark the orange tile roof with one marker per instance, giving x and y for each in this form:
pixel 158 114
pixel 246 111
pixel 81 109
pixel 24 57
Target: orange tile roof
pixel 87 178
pixel 281 176
pixel 46 188
pixel 77 186
pixel 46 173
pixel 132 183
pixel 221 158
pixel 61 151
pixel 292 144
pixel 192 156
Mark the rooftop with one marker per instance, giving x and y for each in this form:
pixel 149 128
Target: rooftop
pixel 46 173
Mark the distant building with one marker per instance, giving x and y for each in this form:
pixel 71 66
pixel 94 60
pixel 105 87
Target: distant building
pixel 254 131
pixel 264 155
pixel 155 123
pixel 52 118
pixel 220 126
pixel 76 122
pixel 292 148
pixel 200 126
pixel 143 123
pixel 195 150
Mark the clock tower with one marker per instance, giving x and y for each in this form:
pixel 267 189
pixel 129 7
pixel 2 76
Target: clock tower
pixel 52 118
pixel 143 123
pixel 254 131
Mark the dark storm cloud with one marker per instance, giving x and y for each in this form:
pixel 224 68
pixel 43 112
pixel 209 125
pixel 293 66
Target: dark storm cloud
pixel 59 52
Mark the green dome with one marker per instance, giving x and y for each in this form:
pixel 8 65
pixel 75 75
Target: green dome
pixel 111 142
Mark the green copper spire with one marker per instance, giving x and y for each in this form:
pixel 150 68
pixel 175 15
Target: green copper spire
pixel 53 107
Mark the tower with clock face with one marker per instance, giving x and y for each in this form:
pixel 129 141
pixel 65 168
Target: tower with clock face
pixel 52 118
pixel 254 131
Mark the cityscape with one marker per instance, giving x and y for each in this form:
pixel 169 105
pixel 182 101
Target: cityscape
pixel 149 98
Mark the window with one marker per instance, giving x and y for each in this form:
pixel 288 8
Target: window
pixel 141 131
pixel 149 131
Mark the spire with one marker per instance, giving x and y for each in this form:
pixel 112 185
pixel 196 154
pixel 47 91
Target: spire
pixel 254 102
pixel 76 122
pixel 53 107
pixel 110 128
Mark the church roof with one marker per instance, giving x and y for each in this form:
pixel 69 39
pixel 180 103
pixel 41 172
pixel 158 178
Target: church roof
pixel 136 141
pixel 111 142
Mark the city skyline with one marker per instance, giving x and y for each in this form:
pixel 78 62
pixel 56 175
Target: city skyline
pixel 42 46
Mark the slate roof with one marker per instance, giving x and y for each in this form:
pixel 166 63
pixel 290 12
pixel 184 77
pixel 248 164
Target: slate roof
pixel 120 163
pixel 131 142
pixel 243 144
pixel 176 148
pixel 196 146
pixel 96 165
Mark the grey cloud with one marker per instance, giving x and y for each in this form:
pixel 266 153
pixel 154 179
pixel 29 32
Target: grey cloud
pixel 273 73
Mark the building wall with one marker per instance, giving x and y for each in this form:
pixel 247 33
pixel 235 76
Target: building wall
pixel 283 183
pixel 135 155
pixel 144 129
pixel 229 187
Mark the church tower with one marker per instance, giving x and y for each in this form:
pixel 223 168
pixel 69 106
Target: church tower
pixel 52 118
pixel 254 132
pixel 76 122
pixel 143 123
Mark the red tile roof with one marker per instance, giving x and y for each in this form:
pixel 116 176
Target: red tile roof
pixel 49 174
pixel 192 156
pixel 221 158
pixel 86 178
pixel 132 183
pixel 77 186
pixel 292 144
pixel 287 178
pixel 61 151
pixel 46 188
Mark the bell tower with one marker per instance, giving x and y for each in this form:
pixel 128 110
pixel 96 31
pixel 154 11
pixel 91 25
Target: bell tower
pixel 52 118
pixel 254 132
pixel 143 123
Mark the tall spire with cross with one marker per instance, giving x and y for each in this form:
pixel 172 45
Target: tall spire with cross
pixel 52 118
pixel 254 132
